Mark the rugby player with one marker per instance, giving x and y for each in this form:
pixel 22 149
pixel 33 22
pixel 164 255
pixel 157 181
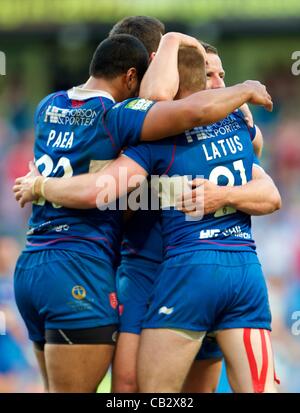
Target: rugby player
pixel 205 372
pixel 77 318
pixel 181 347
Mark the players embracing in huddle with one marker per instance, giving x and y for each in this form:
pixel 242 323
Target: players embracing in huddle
pixel 185 287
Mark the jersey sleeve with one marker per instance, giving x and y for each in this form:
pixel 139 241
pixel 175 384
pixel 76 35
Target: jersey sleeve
pixel 124 121
pixel 142 155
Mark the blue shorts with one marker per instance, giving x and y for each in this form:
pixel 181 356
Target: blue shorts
pixel 59 289
pixel 135 281
pixel 209 291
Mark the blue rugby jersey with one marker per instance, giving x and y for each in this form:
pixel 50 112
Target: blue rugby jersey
pixel 142 236
pixel 221 152
pixel 78 131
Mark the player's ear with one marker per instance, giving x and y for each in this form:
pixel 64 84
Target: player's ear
pixel 131 78
pixel 131 74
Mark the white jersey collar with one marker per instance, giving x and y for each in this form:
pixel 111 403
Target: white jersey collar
pixel 79 93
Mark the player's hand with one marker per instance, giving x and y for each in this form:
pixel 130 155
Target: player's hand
pixel 190 41
pixel 23 188
pixel 186 40
pixel 259 94
pixel 247 115
pixel 204 198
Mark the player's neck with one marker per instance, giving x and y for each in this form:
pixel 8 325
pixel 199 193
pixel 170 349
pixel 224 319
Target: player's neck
pixel 181 94
pixel 102 84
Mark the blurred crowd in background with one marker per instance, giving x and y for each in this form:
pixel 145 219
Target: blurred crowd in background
pixel 277 235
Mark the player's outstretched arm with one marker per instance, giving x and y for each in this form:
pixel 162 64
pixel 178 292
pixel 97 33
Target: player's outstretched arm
pixel 83 191
pixel 161 80
pixel 170 118
pixel 260 196
pixel 71 192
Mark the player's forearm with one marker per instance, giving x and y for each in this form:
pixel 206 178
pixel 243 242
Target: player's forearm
pixel 213 105
pixel 94 189
pixel 201 108
pixel 161 79
pixel 257 197
pixel 77 192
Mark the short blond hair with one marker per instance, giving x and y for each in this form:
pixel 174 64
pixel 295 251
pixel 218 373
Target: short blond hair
pixel 192 71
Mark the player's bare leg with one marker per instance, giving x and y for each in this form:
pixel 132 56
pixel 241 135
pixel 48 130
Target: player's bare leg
pixel 124 372
pixel 249 360
pixel 40 356
pixel 77 368
pixel 164 359
pixel 203 376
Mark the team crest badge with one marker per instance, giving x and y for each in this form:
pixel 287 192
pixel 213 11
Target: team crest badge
pixel 78 292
